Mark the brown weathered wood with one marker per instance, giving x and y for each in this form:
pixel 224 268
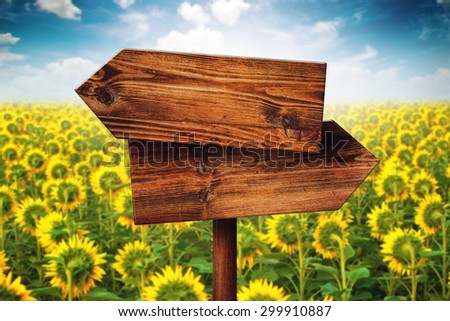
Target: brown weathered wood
pixel 161 96
pixel 181 184
pixel 224 260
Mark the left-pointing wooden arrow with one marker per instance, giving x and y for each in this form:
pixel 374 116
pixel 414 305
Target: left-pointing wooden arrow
pixel 264 103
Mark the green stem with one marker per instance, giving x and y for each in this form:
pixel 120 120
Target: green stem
pixel 1 225
pixel 170 245
pixel 412 266
pixel 69 283
pixel 342 266
pixel 301 263
pixel 444 256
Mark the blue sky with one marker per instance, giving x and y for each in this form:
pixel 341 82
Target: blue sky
pixel 380 49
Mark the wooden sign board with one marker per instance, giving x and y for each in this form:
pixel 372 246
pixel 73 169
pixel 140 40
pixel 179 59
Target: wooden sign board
pixel 176 182
pixel 160 96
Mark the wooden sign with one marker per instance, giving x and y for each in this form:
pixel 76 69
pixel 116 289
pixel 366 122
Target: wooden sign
pixel 176 182
pixel 216 137
pixel 160 96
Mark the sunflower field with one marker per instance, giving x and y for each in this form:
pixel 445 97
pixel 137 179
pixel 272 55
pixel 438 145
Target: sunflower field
pixel 67 233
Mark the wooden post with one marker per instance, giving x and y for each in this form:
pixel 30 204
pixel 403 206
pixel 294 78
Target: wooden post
pixel 224 260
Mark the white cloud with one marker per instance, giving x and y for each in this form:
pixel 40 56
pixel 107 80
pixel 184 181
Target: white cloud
pixel 62 8
pixel 435 85
pixel 193 13
pixel 135 25
pixel 57 79
pixel 229 11
pixel 6 55
pixel 8 39
pixel 200 39
pixel 124 4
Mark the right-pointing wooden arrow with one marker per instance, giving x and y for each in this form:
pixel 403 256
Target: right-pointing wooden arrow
pixel 176 182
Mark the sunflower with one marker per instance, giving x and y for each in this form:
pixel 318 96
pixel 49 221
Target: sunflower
pixel 53 147
pixel 382 220
pixel 421 159
pixel 328 230
pixel 35 160
pixel 261 290
pixel 16 172
pixel 430 214
pixel 13 290
pixel 123 204
pixel 109 179
pixel 404 153
pixel 178 226
pixel 8 204
pixel 392 183
pixel 47 187
pixel 174 285
pixel 283 232
pixel 95 158
pixel 83 169
pixel 68 194
pixel 421 185
pixel 400 246
pixel 247 239
pixel 29 212
pixel 57 168
pixel 3 262
pixel 133 261
pixel 54 228
pixel 79 145
pixel 75 262
pixel 10 152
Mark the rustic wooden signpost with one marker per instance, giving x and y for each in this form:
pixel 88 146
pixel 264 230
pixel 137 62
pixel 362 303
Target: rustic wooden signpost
pixel 218 137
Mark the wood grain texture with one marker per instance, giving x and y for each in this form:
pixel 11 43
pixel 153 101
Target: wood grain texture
pixel 187 182
pixel 224 259
pixel 159 96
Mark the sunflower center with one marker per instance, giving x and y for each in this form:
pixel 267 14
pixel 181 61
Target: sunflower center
pixel 261 297
pixel 110 181
pixel 422 160
pixel 328 236
pixel 405 247
pixel 68 192
pixel 405 155
pixel 7 295
pixel 59 171
pixel 33 213
pixel 96 160
pixel 134 263
pixel 394 185
pixel 79 262
pixel 52 148
pixel 433 214
pixel 385 221
pixel 176 291
pixel 80 145
pixel 10 153
pixel 423 187
pixel 36 160
pixel 84 170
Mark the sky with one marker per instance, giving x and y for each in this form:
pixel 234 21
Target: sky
pixel 379 49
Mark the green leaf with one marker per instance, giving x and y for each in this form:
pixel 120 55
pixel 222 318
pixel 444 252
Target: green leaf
pixel 395 298
pixel 47 291
pixel 269 275
pixel 349 252
pixel 431 253
pixel 358 274
pixel 201 264
pixel 101 294
pixel 329 289
pixel 327 269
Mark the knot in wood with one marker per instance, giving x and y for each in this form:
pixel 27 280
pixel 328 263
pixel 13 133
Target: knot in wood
pixel 205 195
pixel 105 95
